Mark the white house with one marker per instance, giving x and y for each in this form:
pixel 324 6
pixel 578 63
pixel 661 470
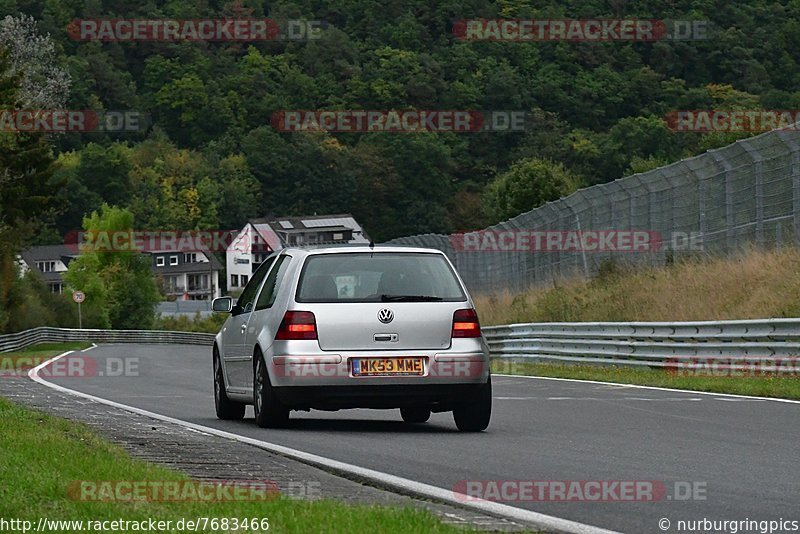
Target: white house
pixel 183 275
pixel 187 275
pixel 49 262
pixel 260 237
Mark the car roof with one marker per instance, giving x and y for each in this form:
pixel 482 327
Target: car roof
pixel 378 249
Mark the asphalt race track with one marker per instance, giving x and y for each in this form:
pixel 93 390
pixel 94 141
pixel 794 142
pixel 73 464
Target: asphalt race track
pixel 740 454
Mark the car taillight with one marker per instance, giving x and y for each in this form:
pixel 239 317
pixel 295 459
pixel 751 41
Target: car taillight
pixel 297 325
pixel 465 323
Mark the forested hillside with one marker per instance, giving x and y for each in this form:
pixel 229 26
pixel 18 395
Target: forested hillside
pixel 211 159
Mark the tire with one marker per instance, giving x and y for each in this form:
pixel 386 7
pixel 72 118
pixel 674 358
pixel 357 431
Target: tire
pixel 270 413
pixel 226 409
pixel 474 416
pixel 416 414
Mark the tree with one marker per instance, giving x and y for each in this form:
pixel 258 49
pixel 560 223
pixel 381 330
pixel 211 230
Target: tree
pixel 26 189
pixel 525 186
pixel 239 193
pixel 120 289
pixel 104 170
pixel 43 84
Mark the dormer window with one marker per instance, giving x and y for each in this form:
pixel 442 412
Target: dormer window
pixel 46 266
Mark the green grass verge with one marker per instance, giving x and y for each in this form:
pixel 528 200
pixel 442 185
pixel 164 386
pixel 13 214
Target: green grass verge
pixel 18 362
pixel 40 456
pixel 784 387
pixel 56 348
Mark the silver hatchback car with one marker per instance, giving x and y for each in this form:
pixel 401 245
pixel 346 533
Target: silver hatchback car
pixel 353 327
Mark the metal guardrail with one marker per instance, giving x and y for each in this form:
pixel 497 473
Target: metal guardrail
pixel 184 307
pixel 687 344
pixel 768 343
pixel 46 334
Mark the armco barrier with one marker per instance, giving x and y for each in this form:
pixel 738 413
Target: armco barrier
pixel 47 334
pixel 649 344
pixel 635 344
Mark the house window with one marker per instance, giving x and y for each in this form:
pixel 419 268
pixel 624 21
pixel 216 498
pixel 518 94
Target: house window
pixel 338 237
pixel 190 257
pixel 46 266
pixel 244 280
pixel 160 261
pixel 197 282
pixel 57 288
pixel 234 280
pixel 173 260
pixel 171 283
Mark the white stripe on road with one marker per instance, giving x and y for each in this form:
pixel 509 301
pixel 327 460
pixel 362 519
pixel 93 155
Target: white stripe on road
pixel 655 399
pixel 542 521
pixel 637 386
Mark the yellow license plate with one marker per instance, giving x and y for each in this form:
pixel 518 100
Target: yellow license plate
pixel 387 366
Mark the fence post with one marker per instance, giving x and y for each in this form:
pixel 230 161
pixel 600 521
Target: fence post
pixel 729 222
pixel 759 177
pixel 789 138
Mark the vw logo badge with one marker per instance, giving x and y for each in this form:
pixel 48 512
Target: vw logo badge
pixel 386 316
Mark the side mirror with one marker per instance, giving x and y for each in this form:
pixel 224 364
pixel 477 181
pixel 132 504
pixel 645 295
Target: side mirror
pixel 222 305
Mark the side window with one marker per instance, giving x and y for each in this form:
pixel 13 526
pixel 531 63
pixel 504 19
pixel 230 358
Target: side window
pixel 248 296
pixel 267 297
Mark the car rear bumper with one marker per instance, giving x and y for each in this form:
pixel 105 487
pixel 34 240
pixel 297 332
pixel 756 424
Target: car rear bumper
pixel 442 368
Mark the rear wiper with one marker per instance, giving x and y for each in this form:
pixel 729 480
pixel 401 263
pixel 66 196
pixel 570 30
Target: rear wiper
pixel 410 298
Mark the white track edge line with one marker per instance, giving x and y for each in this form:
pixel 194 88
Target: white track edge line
pixel 537 520
pixel 639 386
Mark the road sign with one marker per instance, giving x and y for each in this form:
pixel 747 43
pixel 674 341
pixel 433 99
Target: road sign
pixel 78 296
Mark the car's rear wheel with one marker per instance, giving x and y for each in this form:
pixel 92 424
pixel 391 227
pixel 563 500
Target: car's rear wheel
pixel 226 408
pixel 474 415
pixel 415 414
pixel 270 413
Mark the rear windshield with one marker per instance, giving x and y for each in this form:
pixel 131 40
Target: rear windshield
pixel 378 277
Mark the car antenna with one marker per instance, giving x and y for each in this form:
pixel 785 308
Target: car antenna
pixel 371 248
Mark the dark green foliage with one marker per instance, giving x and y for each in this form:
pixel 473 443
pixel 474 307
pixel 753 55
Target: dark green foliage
pixel 212 160
pixel 26 191
pixel 120 290
pixel 595 108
